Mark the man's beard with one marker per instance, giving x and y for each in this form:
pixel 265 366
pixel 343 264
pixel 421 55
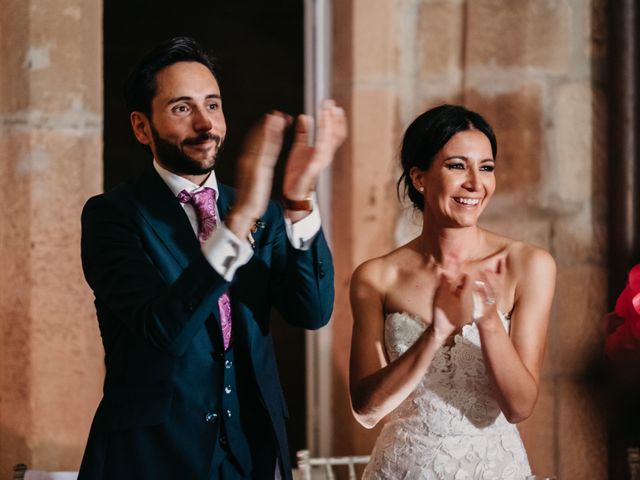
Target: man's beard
pixel 177 161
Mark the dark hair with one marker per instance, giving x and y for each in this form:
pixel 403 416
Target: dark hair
pixel 140 87
pixel 426 136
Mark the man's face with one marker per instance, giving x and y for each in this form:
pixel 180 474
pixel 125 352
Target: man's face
pixel 187 126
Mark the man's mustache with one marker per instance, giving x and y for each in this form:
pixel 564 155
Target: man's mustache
pixel 204 137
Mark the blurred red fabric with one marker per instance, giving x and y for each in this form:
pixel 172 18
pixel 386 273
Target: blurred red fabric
pixel 622 345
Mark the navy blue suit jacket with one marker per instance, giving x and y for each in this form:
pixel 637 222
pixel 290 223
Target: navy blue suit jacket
pixel 156 301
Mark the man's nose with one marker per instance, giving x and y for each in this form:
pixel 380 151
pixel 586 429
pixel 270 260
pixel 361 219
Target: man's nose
pixel 201 120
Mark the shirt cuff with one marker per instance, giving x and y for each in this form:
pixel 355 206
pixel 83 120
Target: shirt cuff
pixel 225 252
pixel 302 233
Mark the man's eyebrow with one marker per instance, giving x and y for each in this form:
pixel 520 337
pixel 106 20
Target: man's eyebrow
pixel 186 98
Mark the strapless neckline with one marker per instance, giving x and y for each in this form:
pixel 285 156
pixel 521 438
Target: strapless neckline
pixel 463 333
pixel 503 316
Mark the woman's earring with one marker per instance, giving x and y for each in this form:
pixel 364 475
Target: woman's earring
pixel 421 189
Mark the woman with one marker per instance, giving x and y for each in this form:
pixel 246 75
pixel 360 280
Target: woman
pixel 449 329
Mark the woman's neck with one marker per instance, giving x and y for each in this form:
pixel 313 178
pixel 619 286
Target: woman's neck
pixel 450 248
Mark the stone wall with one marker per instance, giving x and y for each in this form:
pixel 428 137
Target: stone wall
pixel 51 150
pixel 535 71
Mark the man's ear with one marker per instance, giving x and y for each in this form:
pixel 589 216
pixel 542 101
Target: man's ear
pixel 141 127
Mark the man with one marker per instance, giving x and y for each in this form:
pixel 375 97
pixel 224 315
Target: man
pixel 184 271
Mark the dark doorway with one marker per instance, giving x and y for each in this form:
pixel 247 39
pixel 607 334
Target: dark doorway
pixel 259 47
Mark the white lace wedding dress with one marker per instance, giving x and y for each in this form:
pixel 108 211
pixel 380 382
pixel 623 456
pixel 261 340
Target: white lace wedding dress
pixel 450 427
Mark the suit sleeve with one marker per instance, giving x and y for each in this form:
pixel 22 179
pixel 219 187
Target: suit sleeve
pixel 131 292
pixel 302 280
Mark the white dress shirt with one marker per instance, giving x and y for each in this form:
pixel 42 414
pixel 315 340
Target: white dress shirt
pixel 223 249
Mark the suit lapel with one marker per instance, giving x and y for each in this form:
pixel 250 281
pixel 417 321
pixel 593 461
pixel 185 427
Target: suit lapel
pixel 167 218
pixel 224 200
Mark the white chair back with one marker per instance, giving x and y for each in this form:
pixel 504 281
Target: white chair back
pixel 312 468
pixel 21 472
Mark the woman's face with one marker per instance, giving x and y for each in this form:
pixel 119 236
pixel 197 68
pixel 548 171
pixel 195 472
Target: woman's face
pixel 460 181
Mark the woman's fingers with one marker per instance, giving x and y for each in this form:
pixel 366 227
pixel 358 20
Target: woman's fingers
pixel 484 298
pixel 485 285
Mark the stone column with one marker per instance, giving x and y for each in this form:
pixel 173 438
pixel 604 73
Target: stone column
pixel 364 174
pixel 51 150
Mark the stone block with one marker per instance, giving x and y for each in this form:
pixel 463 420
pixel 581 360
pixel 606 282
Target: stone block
pixel 538 431
pixel 64 57
pixel 14 41
pixel 53 54
pixel 440 38
pixel 374 40
pixel 53 341
pixel 342 239
pixel 599 151
pixel 581 430
pixel 342 47
pixel 535 34
pixel 429 97
pixel 568 174
pixel 580 238
pixel 363 216
pixel 16 379
pixel 517 119
pixel 446 89
pixel 524 226
pixel 374 160
pixel 578 330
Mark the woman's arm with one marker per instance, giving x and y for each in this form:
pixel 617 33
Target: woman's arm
pixel 514 363
pixel 376 386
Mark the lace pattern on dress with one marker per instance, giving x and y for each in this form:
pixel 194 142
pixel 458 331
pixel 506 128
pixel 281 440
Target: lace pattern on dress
pixel 450 427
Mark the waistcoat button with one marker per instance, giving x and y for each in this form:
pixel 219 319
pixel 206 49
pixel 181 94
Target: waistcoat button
pixel 210 417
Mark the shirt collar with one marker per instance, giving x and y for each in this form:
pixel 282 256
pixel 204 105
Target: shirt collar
pixel 176 183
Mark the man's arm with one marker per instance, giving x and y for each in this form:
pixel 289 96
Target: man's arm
pixel 302 268
pixel 301 286
pixel 306 162
pixel 304 290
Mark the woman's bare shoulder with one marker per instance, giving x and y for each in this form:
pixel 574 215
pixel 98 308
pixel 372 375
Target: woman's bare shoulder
pixel 525 258
pixel 383 270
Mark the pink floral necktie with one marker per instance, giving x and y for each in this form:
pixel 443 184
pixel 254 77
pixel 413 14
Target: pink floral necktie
pixel 203 202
